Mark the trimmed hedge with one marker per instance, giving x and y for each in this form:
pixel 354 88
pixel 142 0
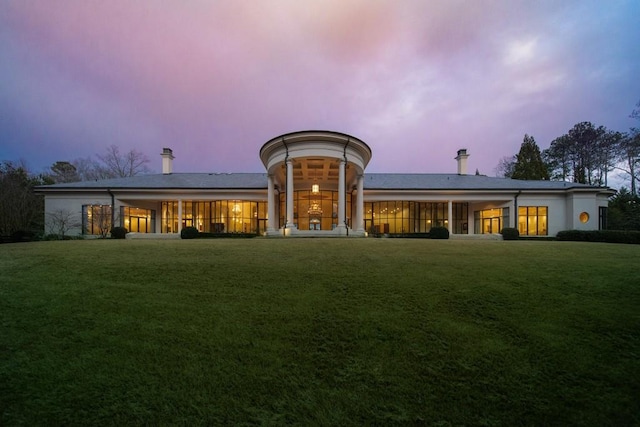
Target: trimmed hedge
pixel 227 235
pixel 435 233
pixel 439 233
pixel 510 233
pixel 119 232
pixel 189 233
pixel 607 236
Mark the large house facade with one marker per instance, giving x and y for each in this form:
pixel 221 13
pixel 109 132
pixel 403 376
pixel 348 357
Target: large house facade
pixel 315 184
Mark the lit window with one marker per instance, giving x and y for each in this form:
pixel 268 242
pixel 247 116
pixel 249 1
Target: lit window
pixel 532 220
pixel 96 219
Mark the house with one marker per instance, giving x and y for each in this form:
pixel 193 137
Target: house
pixel 315 184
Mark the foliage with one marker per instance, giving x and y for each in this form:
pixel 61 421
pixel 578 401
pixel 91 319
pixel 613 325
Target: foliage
pixel 189 233
pixel 439 233
pixel 606 236
pixel 624 211
pixel 629 156
pixel 119 233
pixel 585 154
pixel 635 114
pixel 510 233
pixel 302 332
pixel 20 209
pixel 64 172
pixel 528 162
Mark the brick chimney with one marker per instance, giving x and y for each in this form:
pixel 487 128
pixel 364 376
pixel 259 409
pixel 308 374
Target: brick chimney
pixel 167 160
pixel 462 161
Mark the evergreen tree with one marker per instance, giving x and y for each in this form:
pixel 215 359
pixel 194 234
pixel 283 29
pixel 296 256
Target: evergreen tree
pixel 64 172
pixel 624 211
pixel 529 164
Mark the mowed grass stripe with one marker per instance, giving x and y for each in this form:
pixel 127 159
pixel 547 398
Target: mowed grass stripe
pixel 319 331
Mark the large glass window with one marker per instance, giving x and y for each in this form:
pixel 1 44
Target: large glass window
pixel 404 217
pixel 138 220
pixel 315 210
pixel 532 220
pixel 96 219
pixel 491 221
pixel 602 218
pixel 218 216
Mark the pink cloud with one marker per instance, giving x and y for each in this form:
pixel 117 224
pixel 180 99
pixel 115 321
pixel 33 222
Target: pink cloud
pixel 416 80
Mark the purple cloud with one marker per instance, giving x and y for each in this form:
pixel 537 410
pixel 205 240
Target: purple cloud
pixel 215 80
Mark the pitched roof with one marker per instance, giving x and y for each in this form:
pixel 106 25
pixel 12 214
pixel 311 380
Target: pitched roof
pixel 172 181
pixel 372 181
pixel 407 181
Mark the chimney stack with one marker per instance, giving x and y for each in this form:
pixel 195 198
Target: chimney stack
pixel 167 160
pixel 462 161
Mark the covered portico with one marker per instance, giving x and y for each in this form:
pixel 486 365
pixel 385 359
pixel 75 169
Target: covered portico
pixel 315 183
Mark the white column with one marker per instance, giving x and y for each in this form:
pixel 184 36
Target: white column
pixel 271 212
pixel 290 223
pixel 342 199
pixel 179 215
pixel 360 204
pixel 450 216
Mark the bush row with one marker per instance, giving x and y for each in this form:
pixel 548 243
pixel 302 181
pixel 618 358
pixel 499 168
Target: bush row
pixel 435 233
pixel 607 236
pixel 193 233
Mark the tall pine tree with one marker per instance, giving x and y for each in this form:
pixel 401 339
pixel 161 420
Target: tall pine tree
pixel 529 164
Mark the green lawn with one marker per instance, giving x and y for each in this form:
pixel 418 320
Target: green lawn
pixel 319 332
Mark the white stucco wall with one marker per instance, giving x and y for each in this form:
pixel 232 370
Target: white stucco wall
pixel 72 204
pixel 578 203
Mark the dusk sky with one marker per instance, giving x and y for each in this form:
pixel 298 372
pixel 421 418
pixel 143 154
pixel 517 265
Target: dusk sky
pixel 214 80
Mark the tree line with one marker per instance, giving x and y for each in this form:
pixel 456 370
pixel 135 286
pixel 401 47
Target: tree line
pixel 586 154
pixel 22 211
pixel 111 164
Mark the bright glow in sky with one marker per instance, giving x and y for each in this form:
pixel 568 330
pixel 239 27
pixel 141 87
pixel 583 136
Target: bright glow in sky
pixel 214 80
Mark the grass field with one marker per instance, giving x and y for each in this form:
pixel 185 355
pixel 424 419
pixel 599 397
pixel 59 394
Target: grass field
pixel 319 332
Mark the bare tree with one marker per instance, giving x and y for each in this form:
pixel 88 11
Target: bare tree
pixel 120 165
pixel 61 221
pixel 100 217
pixel 505 167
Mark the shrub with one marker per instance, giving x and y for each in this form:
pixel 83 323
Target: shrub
pixel 439 233
pixel 118 232
pixel 189 233
pixel 510 233
pixel 207 235
pixel 21 236
pixel 608 236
